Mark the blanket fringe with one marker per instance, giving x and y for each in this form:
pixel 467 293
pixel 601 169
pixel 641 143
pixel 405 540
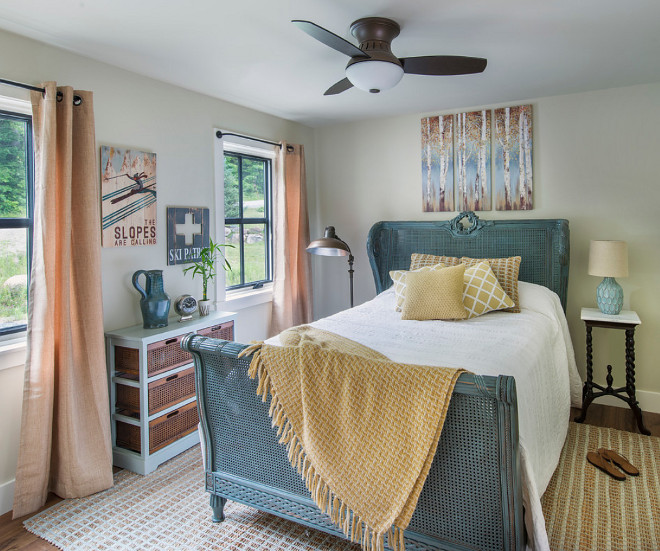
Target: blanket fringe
pixel 355 529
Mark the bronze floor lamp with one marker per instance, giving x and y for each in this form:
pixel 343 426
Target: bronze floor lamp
pixel 331 245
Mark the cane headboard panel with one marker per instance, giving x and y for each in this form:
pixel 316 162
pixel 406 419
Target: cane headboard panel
pixel 543 245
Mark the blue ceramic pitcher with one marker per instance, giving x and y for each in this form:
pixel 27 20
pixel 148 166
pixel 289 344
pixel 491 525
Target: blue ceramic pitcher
pixel 155 304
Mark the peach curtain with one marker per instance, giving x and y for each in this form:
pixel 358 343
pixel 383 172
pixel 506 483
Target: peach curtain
pixel 65 444
pixel 292 294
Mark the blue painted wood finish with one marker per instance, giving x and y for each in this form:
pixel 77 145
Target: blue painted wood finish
pixel 472 498
pixel 544 246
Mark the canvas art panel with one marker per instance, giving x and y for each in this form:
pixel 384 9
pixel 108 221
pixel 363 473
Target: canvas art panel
pixel 473 180
pixel 128 191
pixel 513 158
pixel 437 163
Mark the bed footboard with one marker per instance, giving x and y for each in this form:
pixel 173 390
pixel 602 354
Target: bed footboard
pixel 472 498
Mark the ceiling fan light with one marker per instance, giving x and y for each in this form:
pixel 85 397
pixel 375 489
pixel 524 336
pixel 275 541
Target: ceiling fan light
pixel 373 75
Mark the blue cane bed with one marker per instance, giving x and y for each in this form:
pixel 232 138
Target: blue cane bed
pixel 472 498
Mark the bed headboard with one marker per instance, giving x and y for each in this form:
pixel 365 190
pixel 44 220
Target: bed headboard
pixel 542 244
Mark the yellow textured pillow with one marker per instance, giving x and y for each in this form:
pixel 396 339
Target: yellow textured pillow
pixel 506 271
pixel 482 293
pixel 418 260
pixel 399 279
pixel 435 294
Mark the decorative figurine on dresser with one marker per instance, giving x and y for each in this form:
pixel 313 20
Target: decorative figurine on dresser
pixel 152 390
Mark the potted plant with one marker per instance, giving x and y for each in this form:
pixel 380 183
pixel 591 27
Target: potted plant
pixel 205 268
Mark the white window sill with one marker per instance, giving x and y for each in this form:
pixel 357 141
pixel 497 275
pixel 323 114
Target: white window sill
pixel 12 352
pixel 246 298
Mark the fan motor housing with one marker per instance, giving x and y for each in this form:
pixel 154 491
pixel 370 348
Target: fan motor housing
pixel 375 35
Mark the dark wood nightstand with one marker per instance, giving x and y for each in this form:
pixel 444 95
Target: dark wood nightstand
pixel 626 320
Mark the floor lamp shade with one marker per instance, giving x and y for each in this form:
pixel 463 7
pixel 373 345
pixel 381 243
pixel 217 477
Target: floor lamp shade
pixel 331 245
pixel 609 259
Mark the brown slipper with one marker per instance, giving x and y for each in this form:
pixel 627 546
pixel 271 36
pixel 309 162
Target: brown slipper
pixel 605 465
pixel 620 460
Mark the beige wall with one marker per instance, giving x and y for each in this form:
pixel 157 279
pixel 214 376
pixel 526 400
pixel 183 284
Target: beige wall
pixel 138 112
pixel 595 163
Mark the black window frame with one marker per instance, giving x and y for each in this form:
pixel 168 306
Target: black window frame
pixel 241 221
pixel 26 222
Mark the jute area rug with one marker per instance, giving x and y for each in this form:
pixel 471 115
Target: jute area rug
pixel 586 509
pixel 169 509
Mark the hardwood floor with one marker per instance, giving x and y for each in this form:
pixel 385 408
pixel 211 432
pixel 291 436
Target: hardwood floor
pixel 618 418
pixel 13 537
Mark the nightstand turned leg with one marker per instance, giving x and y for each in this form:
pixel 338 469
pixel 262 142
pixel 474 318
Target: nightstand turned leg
pixel 587 389
pixel 630 380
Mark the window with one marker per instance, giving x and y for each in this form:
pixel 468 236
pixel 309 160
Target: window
pixel 248 219
pixel 16 192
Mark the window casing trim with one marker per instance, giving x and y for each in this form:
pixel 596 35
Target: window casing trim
pixel 236 145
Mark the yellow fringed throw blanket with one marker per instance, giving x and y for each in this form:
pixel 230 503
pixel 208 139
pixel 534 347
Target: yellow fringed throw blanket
pixel 360 429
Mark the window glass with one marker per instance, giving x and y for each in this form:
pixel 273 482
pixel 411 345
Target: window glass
pixel 14 277
pixel 254 239
pixel 13 167
pixel 231 187
pixel 233 254
pixel 248 219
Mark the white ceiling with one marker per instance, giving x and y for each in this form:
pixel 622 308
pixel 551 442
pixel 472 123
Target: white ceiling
pixel 248 52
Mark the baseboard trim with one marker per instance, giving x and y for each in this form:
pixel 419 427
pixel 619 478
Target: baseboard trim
pixel 648 401
pixel 6 497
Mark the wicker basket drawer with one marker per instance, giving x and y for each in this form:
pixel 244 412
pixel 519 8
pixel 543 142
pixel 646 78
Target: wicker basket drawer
pixel 161 356
pixel 224 331
pixel 162 431
pixel 163 393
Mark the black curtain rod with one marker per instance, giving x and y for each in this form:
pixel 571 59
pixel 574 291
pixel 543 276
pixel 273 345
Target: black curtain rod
pixel 77 100
pixel 220 135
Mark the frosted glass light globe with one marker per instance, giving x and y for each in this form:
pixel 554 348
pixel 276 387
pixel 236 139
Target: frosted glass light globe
pixel 374 76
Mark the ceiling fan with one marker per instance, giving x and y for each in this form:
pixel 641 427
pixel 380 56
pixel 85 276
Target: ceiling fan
pixel 373 67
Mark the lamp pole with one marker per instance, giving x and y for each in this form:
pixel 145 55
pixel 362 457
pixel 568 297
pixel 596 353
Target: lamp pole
pixel 350 274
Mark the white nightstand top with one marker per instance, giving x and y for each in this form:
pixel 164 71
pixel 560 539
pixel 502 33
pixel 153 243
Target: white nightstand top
pixel 625 316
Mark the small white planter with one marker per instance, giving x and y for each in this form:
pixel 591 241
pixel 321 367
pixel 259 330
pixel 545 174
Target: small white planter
pixel 204 307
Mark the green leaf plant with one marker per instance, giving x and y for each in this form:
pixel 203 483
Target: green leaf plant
pixel 205 266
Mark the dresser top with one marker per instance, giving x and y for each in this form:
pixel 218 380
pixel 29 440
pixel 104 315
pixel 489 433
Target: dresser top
pixel 173 329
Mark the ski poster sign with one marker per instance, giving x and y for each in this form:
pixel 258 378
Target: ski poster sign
pixel 128 191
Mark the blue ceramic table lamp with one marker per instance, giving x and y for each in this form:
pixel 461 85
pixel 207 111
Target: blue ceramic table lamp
pixel 609 259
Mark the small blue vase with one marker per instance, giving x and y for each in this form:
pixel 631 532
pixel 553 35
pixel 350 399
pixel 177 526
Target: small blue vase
pixel 155 304
pixel 609 296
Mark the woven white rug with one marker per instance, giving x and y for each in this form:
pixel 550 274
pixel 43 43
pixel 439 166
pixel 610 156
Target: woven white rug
pixel 168 510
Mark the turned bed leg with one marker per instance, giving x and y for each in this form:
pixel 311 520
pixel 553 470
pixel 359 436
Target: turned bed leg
pixel 218 506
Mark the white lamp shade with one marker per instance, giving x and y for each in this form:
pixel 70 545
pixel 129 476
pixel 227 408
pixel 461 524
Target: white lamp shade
pixel 608 258
pixel 373 75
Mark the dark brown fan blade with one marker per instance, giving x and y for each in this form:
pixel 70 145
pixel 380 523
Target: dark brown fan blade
pixel 443 65
pixel 339 87
pixel 329 39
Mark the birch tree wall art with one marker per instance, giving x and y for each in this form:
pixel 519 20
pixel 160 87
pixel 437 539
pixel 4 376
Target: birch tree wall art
pixel 438 164
pixel 513 158
pixel 473 160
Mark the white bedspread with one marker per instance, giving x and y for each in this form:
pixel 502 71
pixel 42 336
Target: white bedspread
pixel 534 346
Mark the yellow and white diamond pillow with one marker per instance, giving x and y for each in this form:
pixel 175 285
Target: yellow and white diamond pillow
pixel 399 279
pixel 482 293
